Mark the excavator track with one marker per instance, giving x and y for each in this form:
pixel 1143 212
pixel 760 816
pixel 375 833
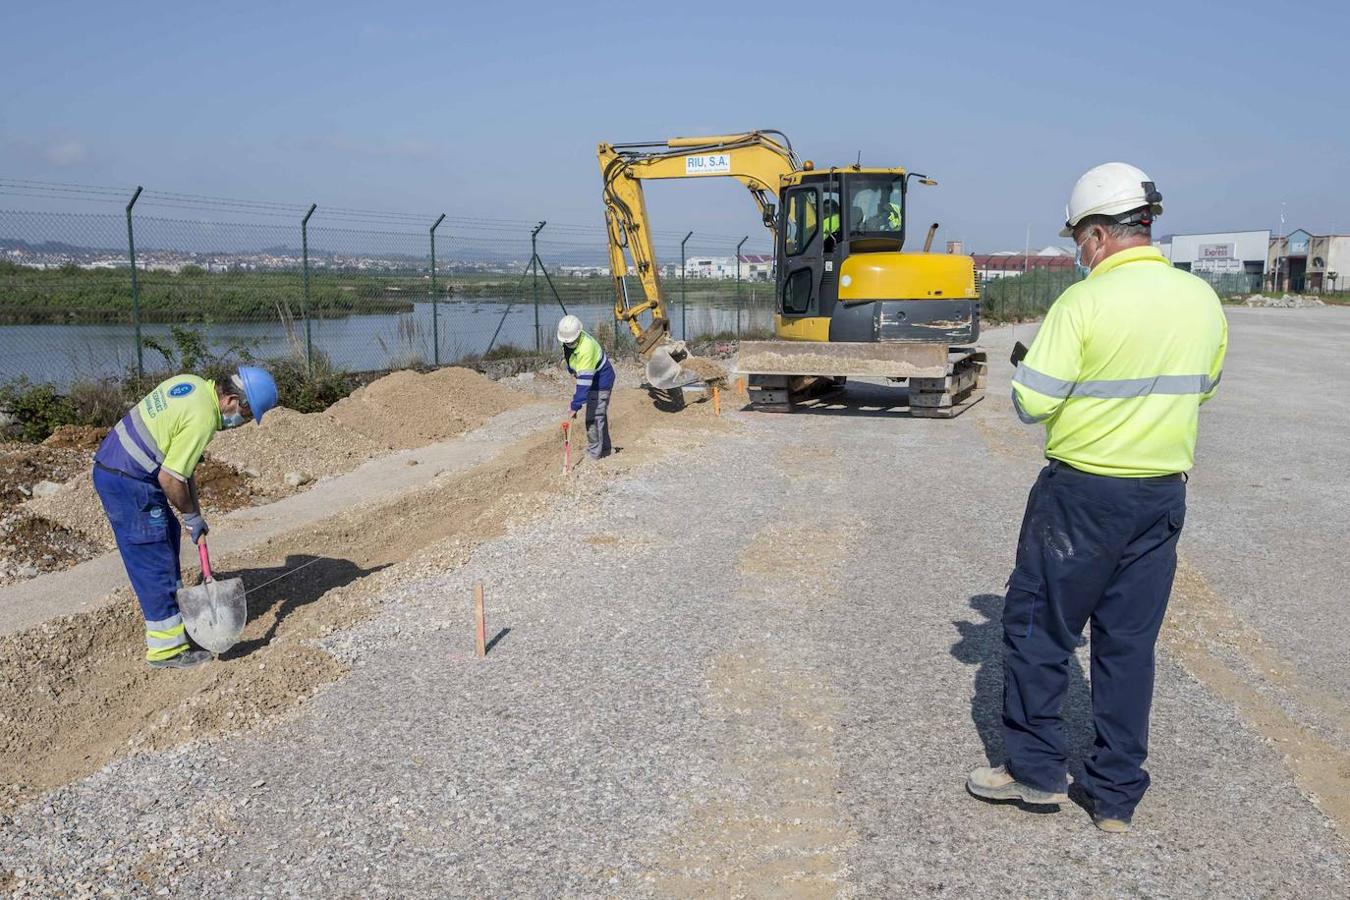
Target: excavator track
pixel 943 382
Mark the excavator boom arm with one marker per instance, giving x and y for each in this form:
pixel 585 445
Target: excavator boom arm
pixel 757 159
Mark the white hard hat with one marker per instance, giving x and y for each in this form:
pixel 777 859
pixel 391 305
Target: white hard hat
pixel 569 329
pixel 1109 190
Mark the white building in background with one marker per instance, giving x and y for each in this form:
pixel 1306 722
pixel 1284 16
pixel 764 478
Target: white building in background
pixel 1219 252
pixel 754 267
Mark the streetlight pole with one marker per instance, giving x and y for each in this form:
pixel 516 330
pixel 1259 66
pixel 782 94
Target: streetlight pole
pixel 684 297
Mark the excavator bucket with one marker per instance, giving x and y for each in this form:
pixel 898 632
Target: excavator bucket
pixel 663 366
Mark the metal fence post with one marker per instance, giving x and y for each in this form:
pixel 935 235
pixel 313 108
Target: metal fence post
pixel 435 299
pixel 534 261
pixel 684 297
pixel 304 310
pixel 738 285
pixel 135 289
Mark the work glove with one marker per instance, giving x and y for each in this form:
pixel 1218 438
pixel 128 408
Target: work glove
pixel 1019 353
pixel 197 525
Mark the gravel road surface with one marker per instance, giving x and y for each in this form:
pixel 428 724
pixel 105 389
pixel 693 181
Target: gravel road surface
pixel 763 667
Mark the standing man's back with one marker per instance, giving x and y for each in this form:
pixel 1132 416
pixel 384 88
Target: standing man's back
pixel 1138 346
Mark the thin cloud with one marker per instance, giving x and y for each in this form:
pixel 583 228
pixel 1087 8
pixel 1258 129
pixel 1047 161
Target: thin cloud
pixel 66 153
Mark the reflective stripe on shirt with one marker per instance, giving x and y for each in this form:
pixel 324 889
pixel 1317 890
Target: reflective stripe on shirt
pixel 1114 389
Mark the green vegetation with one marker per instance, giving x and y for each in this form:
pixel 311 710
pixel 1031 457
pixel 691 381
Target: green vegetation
pixel 36 410
pixel 70 295
pixel 73 295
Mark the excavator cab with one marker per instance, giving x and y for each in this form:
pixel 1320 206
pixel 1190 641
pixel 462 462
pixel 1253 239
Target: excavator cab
pixel 842 276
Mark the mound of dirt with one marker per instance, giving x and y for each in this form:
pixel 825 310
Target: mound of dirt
pixel 288 441
pixel 76 507
pixel 405 409
pixel 77 437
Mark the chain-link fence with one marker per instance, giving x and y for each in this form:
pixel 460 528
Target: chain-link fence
pixel 165 280
pixel 1015 297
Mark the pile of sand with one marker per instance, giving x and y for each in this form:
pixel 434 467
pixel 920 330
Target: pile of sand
pixel 288 441
pixel 404 409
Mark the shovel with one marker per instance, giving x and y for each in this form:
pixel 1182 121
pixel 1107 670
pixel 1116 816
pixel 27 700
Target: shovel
pixel 214 612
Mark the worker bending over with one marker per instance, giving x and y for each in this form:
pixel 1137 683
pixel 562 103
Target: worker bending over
pixel 587 362
pixel 144 464
pixel 1117 374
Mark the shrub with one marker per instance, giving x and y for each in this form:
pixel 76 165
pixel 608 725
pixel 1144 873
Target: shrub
pixel 37 409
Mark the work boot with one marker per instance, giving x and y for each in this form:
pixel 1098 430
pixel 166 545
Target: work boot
pixel 185 660
pixel 994 783
pixel 1111 826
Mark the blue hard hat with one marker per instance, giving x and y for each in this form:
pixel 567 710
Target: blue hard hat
pixel 259 390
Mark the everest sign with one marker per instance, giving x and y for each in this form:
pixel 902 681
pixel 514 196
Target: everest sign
pixel 712 164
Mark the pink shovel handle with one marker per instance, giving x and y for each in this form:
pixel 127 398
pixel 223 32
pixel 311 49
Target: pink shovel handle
pixel 205 558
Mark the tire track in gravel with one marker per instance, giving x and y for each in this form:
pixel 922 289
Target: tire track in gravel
pixel 1199 628
pixel 773 824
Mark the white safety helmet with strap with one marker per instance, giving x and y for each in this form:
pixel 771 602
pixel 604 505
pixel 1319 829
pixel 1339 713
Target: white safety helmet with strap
pixel 569 329
pixel 1113 189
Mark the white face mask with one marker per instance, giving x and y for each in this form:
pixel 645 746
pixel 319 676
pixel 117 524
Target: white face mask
pixel 233 420
pixel 1081 267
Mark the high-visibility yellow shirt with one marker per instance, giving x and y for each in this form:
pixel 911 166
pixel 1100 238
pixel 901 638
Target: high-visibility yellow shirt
pixel 1121 365
pixel 167 430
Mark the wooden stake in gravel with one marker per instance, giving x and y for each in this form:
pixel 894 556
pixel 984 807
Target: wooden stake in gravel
pixel 480 620
pixel 717 400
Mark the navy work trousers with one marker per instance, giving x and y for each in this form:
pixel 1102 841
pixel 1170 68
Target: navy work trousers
pixel 1099 550
pixel 148 536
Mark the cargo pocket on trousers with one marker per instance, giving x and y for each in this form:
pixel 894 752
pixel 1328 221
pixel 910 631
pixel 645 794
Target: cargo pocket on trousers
pixel 1020 603
pixel 1176 518
pixel 152 516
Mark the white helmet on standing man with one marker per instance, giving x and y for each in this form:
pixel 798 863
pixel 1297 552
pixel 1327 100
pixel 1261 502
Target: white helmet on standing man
pixel 1112 189
pixel 569 329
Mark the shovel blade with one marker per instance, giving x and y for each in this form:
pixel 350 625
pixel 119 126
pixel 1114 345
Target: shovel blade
pixel 214 613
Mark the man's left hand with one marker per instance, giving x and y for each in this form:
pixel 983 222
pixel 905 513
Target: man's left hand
pixel 196 525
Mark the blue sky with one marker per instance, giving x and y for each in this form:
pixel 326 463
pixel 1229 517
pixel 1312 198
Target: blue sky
pixel 494 109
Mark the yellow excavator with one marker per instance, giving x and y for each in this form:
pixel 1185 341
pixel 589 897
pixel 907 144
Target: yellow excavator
pixel 848 301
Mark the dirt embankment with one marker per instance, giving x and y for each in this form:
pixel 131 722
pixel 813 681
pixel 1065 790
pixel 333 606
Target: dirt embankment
pixel 78 694
pixel 247 466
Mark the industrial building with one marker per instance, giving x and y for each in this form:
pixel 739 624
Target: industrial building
pixel 1302 261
